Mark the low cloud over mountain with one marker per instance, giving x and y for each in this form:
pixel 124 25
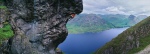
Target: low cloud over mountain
pixel 135 7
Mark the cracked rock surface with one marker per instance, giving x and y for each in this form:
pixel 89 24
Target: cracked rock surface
pixel 39 25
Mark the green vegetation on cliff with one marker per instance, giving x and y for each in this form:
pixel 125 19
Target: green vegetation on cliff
pixel 5 32
pixel 130 41
pixel 2 7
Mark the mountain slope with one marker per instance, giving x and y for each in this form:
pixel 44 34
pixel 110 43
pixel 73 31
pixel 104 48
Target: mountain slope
pixel 117 20
pixel 145 51
pixel 88 23
pixel 97 22
pixel 130 41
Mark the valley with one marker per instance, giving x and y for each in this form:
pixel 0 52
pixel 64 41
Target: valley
pixel 96 22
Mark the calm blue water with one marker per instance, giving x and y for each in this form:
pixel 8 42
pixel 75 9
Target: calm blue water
pixel 88 42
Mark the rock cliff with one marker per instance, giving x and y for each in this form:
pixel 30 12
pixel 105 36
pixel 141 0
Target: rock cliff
pixel 3 17
pixel 39 25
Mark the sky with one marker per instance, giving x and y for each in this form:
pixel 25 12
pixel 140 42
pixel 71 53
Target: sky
pixel 127 7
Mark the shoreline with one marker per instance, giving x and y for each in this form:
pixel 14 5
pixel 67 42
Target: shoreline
pixel 97 31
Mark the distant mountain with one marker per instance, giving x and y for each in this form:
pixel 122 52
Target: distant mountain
pixel 132 20
pixel 96 22
pixel 117 20
pixel 88 23
pixel 140 17
pixel 131 41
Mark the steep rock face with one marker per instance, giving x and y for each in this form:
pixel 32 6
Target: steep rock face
pixel 3 16
pixel 1 2
pixel 39 25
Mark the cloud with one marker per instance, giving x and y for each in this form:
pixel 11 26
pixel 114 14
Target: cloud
pixel 114 10
pixel 136 7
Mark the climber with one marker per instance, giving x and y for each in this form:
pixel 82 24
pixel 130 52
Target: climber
pixel 73 15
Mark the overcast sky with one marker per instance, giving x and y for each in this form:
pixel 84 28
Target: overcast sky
pixel 135 7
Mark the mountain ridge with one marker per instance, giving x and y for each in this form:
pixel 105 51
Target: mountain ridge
pixel 130 41
pixel 96 22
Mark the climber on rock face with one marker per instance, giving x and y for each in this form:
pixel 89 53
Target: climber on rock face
pixel 73 15
pixel 39 26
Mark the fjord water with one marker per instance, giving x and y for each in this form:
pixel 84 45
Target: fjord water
pixel 88 43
